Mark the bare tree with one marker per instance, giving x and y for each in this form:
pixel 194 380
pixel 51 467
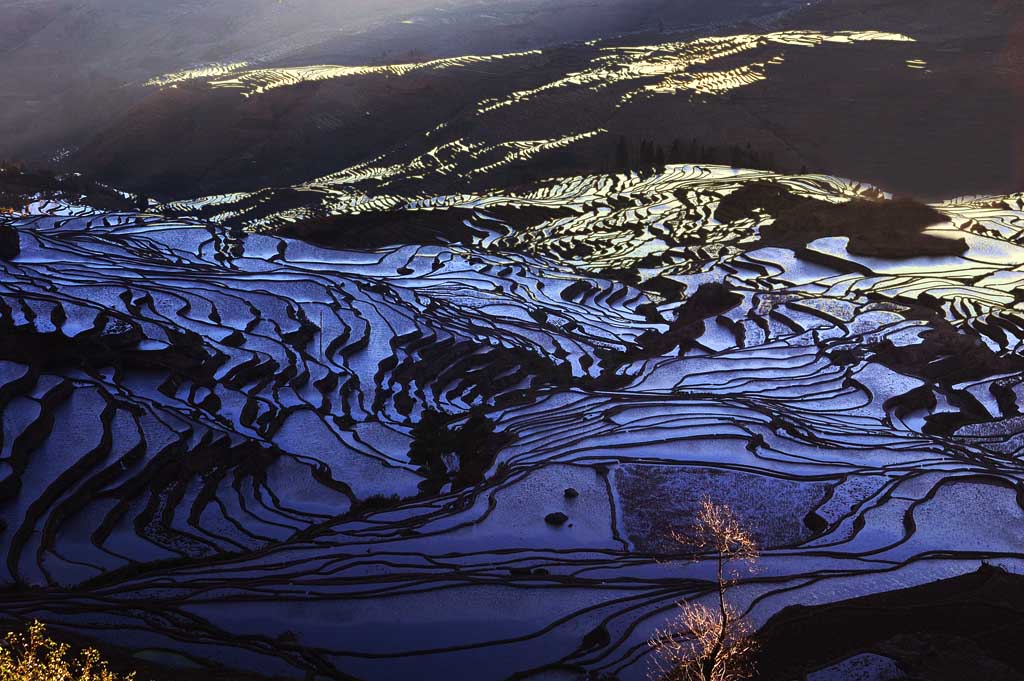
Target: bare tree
pixel 704 643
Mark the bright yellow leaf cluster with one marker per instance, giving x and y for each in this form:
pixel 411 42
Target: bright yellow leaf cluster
pixel 34 656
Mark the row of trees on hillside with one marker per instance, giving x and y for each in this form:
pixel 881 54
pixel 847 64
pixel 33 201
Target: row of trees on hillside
pixel 638 154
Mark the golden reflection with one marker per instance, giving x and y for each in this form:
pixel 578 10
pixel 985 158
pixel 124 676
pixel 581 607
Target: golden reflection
pixel 444 160
pixel 258 81
pixel 672 67
pixel 200 73
pixel 665 68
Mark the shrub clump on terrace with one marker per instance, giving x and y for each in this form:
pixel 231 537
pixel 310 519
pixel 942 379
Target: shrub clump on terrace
pixel 34 656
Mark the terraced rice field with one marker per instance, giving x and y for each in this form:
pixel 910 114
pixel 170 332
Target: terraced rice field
pixel 227 448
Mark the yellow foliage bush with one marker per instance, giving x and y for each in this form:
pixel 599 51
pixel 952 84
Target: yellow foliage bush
pixel 34 656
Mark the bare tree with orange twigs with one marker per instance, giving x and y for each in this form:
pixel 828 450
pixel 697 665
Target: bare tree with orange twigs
pixel 704 643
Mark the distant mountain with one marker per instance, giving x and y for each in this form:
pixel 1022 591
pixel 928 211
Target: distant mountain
pixel 71 67
pixel 927 110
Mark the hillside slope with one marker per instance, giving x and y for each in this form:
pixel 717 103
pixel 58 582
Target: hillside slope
pixel 933 114
pixel 246 451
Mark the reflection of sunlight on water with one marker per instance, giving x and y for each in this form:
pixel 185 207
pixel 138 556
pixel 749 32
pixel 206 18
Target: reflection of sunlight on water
pixel 670 65
pixel 445 159
pixel 697 67
pixel 261 80
pixel 665 68
pixel 208 71
pixel 917 64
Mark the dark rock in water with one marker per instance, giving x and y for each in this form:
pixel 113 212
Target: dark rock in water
pixel 815 523
pixel 555 518
pixel 10 243
pixel 571 493
pixel 598 637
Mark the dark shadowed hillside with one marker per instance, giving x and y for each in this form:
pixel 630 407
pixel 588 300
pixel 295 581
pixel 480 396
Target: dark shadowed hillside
pixel 72 67
pixel 934 114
